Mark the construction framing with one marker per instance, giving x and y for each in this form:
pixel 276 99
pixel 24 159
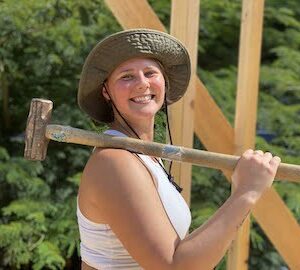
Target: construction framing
pixel 193 113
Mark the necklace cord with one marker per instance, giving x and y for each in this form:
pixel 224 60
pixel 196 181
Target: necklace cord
pixel 170 177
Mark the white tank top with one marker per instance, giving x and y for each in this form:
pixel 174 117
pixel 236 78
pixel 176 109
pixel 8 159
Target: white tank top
pixel 100 247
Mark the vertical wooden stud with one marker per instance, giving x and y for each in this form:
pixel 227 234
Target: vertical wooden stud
pixel 185 27
pixel 246 110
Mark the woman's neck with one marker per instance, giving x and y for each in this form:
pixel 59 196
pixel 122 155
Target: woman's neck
pixel 143 129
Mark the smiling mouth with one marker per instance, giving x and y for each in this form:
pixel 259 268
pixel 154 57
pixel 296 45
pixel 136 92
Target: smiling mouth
pixel 142 99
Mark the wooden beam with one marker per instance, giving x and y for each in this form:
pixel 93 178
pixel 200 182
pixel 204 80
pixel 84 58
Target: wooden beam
pixel 246 110
pixel 135 14
pixel 285 234
pixel 270 212
pixel 208 119
pixel 280 226
pixel 185 27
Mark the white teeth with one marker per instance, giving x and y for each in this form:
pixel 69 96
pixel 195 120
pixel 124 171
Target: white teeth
pixel 142 99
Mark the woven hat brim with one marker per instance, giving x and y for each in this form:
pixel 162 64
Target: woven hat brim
pixel 119 47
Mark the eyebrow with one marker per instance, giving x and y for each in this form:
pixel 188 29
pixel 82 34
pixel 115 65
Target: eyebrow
pixel 126 70
pixel 131 69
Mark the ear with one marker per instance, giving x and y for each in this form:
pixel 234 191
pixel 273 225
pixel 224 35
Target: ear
pixel 105 94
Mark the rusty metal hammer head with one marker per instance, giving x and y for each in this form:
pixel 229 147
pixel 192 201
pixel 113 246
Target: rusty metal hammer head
pixel 39 117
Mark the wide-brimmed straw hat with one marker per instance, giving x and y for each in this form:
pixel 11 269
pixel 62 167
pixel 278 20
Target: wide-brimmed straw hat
pixel 119 47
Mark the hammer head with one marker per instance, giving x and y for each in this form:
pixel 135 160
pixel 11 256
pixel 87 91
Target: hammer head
pixel 39 117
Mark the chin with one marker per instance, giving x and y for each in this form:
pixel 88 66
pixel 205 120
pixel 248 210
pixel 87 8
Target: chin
pixel 145 115
pixel 146 111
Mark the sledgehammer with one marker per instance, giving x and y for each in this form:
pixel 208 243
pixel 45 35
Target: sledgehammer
pixel 39 132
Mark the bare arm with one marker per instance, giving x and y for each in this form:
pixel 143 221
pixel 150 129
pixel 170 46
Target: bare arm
pixel 207 245
pixel 127 198
pixel 253 175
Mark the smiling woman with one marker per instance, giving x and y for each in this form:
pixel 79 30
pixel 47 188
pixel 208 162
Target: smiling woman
pixel 137 88
pixel 130 213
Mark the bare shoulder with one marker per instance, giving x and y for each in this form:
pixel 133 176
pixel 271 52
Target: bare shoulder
pixel 110 174
pixel 129 202
pixel 105 164
pixel 108 154
pixel 107 157
pixel 106 170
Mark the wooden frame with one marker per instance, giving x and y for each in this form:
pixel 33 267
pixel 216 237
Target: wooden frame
pixel 285 232
pixel 184 26
pixel 246 110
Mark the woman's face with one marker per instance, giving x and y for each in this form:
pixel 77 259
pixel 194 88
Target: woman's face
pixel 137 88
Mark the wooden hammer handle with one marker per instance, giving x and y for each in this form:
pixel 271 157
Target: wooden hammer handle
pixel 198 157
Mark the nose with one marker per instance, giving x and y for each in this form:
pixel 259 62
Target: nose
pixel 142 82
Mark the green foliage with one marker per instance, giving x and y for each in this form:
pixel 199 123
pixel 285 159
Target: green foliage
pixel 42 48
pixel 160 128
pixel 43 57
pixel 262 254
pixel 36 227
pixel 162 9
pixel 219 33
pixel 3 154
pixel 47 256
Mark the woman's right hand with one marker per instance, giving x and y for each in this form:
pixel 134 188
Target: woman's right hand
pixel 255 172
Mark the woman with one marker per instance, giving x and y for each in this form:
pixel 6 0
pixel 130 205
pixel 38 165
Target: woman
pixel 130 213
